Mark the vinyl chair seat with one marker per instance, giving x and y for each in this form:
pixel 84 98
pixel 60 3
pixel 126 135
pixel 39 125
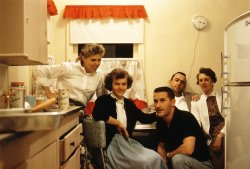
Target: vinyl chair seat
pixel 95 138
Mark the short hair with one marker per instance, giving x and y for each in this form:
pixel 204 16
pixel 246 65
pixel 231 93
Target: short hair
pixel 178 73
pixel 166 89
pixel 117 74
pixel 208 72
pixel 90 50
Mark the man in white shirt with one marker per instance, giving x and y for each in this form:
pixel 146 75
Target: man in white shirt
pixel 178 84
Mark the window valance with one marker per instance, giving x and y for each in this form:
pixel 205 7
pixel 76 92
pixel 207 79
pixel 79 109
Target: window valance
pixel 51 7
pixel 104 11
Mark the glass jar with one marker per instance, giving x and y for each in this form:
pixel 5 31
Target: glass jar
pixel 17 95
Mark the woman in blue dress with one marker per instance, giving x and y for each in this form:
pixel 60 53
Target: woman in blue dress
pixel 120 116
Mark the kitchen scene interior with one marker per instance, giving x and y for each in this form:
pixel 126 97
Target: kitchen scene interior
pixel 150 39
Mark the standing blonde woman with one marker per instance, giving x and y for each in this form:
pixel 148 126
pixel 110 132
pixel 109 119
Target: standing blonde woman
pixel 83 79
pixel 208 113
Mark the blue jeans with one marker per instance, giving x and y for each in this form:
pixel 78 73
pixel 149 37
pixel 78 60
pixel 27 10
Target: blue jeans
pixel 180 161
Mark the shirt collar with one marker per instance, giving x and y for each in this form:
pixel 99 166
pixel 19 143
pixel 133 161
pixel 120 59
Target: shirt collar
pixel 117 100
pixel 211 94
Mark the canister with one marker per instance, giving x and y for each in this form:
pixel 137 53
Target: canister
pixel 17 95
pixel 63 99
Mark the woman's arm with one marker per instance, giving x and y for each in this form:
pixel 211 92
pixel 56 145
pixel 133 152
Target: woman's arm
pixel 161 150
pixel 49 93
pixel 120 127
pixel 47 74
pixel 101 90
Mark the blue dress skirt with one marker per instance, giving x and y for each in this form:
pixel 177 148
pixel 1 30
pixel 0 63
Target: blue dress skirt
pixel 128 153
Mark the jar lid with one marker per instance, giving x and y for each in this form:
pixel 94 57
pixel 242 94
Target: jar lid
pixel 17 83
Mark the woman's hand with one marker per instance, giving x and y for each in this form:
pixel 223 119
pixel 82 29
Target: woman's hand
pixel 162 152
pixel 217 142
pixel 122 130
pixel 48 92
pixel 120 127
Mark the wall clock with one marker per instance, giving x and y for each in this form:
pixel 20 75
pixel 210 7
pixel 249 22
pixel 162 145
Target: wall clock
pixel 199 22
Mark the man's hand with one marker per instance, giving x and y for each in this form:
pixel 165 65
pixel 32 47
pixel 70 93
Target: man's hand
pixel 195 97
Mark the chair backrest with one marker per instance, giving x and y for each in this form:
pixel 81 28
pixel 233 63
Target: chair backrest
pixel 94 133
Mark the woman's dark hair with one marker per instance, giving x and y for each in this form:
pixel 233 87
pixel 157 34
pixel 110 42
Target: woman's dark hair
pixel 117 74
pixel 166 89
pixel 208 72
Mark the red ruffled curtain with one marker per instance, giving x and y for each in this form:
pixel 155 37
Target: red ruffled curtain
pixel 51 7
pixel 104 11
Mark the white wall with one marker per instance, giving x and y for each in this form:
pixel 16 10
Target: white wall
pixel 170 38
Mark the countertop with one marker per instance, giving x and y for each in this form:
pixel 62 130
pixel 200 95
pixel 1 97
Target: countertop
pixel 11 136
pixel 140 126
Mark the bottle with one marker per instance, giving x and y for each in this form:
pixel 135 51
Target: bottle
pixel 17 95
pixel 40 96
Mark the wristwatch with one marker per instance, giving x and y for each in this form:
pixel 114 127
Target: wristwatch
pixel 168 155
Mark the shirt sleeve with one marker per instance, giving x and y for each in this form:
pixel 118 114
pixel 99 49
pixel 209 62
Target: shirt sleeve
pixel 159 130
pixel 99 111
pixel 195 111
pixel 101 90
pixel 141 116
pixel 190 126
pixel 47 74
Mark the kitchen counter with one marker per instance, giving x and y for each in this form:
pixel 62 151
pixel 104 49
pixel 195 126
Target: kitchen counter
pixel 140 126
pixel 6 137
pixel 44 148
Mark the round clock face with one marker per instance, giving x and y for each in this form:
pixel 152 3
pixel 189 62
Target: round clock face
pixel 199 22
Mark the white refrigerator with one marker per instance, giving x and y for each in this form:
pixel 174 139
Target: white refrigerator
pixel 236 91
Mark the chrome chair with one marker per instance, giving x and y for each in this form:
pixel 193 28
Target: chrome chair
pixel 95 140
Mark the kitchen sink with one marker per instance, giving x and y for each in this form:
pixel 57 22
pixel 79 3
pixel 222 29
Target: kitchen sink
pixel 19 119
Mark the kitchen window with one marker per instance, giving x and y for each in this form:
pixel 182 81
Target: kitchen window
pixel 115 50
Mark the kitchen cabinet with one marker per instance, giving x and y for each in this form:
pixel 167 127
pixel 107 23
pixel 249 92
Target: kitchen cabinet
pixel 23 32
pixel 47 158
pixel 52 149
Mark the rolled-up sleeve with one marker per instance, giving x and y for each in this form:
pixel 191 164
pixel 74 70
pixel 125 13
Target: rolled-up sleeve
pixel 47 74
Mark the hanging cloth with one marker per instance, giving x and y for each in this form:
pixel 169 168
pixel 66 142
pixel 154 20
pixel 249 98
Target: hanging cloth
pixel 52 10
pixel 217 122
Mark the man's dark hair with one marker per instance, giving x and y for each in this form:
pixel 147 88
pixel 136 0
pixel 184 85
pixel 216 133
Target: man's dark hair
pixel 166 89
pixel 183 74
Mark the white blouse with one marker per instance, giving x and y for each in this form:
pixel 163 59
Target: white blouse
pixel 69 75
pixel 181 103
pixel 200 111
pixel 121 113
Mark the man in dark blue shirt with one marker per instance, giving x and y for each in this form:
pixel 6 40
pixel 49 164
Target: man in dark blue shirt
pixel 181 141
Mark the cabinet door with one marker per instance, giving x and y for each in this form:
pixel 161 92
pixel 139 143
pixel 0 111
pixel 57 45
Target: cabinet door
pixel 23 39
pixel 45 159
pixel 36 30
pixel 73 162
